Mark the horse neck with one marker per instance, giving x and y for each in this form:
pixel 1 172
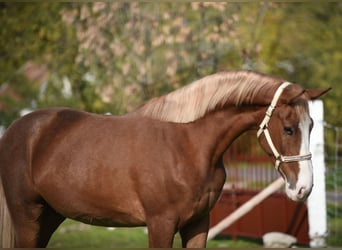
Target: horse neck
pixel 217 130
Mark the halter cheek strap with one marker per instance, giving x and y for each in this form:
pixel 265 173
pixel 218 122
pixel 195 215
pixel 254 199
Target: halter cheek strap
pixel 263 128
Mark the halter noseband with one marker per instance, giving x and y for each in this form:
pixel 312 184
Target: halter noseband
pixel 263 128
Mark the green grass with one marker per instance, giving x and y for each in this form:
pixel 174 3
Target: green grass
pixel 74 234
pixel 335 230
pixel 334 225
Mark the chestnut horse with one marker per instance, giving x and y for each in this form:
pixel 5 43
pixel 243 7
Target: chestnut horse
pixel 159 166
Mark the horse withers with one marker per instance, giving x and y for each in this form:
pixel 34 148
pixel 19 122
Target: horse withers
pixel 159 166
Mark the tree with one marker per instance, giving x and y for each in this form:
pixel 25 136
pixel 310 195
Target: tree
pixel 302 45
pixel 32 34
pixel 112 56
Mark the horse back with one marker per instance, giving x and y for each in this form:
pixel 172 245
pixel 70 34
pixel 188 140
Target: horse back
pixel 27 130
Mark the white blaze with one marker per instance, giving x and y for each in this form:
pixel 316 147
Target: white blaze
pixel 305 177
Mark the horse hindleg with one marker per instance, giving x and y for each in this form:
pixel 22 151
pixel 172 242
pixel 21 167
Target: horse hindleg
pixel 34 225
pixel 194 234
pixel 26 224
pixel 161 232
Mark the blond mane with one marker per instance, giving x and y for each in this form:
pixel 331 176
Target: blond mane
pixel 193 101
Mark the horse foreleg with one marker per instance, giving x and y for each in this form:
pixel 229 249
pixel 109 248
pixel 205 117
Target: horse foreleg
pixel 49 222
pixel 194 234
pixel 161 232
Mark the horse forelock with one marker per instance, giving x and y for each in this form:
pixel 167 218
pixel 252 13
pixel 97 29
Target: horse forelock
pixel 195 100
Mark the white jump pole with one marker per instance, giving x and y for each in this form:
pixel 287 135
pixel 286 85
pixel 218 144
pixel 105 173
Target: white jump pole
pixel 245 208
pixel 317 210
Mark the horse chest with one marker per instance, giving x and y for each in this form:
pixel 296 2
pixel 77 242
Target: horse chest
pixel 207 199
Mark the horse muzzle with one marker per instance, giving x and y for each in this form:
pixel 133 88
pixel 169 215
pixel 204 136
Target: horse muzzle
pixel 303 186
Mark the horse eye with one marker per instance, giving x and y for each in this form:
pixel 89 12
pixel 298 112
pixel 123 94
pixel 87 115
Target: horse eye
pixel 288 130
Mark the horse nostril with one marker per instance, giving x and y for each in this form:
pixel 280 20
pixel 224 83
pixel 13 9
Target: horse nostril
pixel 301 192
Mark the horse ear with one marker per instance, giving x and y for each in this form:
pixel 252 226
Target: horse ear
pixel 291 93
pixel 315 93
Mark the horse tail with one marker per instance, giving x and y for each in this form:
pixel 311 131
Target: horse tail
pixel 6 227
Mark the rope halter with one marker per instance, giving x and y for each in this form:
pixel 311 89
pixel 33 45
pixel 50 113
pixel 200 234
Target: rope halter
pixel 263 128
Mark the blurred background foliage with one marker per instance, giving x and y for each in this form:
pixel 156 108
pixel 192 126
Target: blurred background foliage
pixel 112 56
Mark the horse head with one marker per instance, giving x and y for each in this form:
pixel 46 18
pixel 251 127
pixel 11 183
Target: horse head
pixel 284 134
